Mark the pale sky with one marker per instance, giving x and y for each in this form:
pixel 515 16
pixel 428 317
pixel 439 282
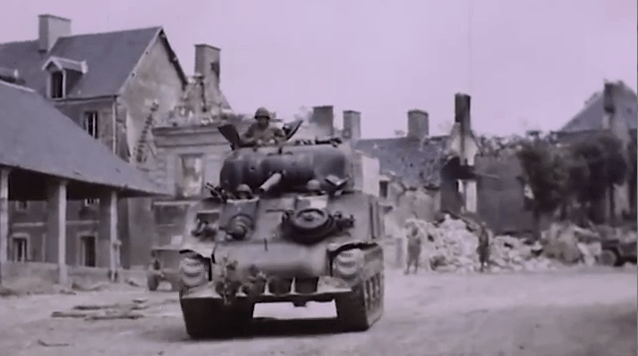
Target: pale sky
pixel 528 64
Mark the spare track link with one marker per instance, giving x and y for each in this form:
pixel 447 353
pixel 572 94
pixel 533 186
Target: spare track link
pixel 361 308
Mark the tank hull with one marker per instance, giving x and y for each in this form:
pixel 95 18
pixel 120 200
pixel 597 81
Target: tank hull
pixel 284 225
pixel 355 283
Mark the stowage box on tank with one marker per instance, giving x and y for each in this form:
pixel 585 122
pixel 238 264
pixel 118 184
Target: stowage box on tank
pixel 284 225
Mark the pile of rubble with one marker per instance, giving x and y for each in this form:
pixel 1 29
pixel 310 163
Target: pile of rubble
pixel 450 247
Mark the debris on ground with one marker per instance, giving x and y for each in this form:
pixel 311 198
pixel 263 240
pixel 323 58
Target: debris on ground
pixel 451 246
pixel 104 311
pixel 33 286
pixel 115 315
pixel 52 344
pixel 133 283
pixel 69 314
pixel 88 288
pixel 7 292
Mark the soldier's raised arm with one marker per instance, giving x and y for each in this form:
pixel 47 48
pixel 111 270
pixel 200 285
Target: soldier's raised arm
pixel 278 134
pixel 249 135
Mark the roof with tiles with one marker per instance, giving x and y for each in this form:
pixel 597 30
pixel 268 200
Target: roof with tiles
pixel 590 118
pixel 110 59
pixel 417 163
pixel 35 136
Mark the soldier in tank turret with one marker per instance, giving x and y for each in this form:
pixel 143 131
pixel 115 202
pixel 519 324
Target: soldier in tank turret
pixel 313 187
pixel 262 131
pixel 243 191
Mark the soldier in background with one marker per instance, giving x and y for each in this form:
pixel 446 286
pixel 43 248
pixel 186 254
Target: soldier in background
pixel 483 248
pixel 414 249
pixel 261 132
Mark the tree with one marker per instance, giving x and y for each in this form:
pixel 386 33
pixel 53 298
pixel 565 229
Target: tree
pixel 605 161
pixel 547 173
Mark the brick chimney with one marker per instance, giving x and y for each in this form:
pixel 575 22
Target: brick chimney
pixel 323 119
pixel 418 124
pixel 462 112
pixel 207 62
pixel 51 28
pixel 351 125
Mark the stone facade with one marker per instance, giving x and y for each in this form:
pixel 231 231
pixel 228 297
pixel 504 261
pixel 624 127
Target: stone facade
pixel 117 120
pixel 206 147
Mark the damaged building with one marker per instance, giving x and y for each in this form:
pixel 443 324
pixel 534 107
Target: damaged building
pixel 502 200
pixel 113 85
pixel 422 174
pixel 43 160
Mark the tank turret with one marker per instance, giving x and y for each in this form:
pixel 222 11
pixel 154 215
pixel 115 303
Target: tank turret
pixel 285 225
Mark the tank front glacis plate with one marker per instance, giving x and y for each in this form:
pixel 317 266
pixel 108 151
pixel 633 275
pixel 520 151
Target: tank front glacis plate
pixel 327 289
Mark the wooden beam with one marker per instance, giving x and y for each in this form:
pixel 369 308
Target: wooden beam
pixel 4 217
pixel 107 233
pixel 56 227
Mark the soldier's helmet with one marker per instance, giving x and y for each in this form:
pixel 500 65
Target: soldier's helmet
pixel 262 112
pixel 314 186
pixel 243 189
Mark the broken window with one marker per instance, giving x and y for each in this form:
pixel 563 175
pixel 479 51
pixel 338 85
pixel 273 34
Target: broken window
pixel 90 123
pixel 19 248
pixel 87 251
pixel 57 85
pixel 383 189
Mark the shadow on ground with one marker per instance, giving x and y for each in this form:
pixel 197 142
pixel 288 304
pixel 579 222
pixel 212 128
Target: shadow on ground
pixel 261 327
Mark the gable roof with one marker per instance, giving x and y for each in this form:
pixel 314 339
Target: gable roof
pixel 417 163
pixel 590 118
pixel 35 136
pixel 109 56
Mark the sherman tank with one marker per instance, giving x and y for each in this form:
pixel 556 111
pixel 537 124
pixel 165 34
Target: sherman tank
pixel 285 224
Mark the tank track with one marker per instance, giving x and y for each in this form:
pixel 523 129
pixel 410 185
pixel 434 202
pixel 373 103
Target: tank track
pixel 364 271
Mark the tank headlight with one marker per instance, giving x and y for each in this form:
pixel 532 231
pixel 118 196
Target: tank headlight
pixel 193 271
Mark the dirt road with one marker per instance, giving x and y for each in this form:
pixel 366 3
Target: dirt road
pixel 571 312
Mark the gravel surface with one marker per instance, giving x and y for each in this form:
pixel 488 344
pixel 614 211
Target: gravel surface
pixel 570 312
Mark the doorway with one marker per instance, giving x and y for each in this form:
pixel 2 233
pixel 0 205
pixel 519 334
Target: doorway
pixel 88 251
pixel 19 248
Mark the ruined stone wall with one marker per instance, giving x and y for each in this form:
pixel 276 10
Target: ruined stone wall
pixel 419 203
pixel 501 200
pixel 204 142
pixel 371 175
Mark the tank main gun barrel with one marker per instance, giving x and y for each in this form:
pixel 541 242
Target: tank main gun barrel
pixel 271 182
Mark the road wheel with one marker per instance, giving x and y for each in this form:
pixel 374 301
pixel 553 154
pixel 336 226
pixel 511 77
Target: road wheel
pixel 152 282
pixel 609 258
pixel 207 318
